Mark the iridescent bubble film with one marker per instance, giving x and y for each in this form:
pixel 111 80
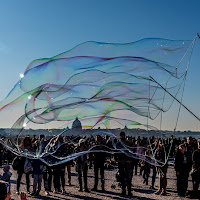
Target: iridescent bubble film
pixel 106 85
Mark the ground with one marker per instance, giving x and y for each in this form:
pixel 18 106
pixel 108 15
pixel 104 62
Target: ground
pixel 139 190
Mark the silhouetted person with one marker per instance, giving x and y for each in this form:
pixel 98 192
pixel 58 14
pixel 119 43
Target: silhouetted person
pixel 99 160
pixel 82 165
pixel 124 164
pixel 183 164
pixel 196 171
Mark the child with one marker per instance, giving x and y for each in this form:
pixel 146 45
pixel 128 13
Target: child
pixel 7 174
pixel 6 178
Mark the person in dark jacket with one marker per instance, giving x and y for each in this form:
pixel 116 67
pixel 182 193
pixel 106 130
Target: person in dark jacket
pixel 99 161
pixel 47 177
pixel 20 171
pixel 59 170
pixel 82 165
pixel 183 165
pixel 7 174
pixel 146 168
pixel 196 171
pixel 26 146
pixel 38 169
pixel 1 154
pixel 4 195
pixel 162 169
pixel 124 164
pixel 59 178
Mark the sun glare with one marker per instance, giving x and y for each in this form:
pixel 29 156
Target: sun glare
pixel 21 75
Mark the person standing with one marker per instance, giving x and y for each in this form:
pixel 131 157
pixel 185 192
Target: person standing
pixel 99 161
pixel 70 150
pixel 196 172
pixel 59 170
pixel 26 146
pixel 136 159
pixel 183 165
pixel 162 169
pixel 20 171
pixel 59 178
pixel 124 164
pixel 1 154
pixel 146 168
pixel 47 177
pixel 82 165
pixel 7 174
pixel 38 169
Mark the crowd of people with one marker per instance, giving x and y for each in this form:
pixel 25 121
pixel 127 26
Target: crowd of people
pixel 126 153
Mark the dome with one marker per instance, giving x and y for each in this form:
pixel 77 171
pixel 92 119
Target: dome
pixel 76 124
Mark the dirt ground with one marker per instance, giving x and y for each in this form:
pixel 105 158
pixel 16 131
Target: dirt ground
pixel 139 190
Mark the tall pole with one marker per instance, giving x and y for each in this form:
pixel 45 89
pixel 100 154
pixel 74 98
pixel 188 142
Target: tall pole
pixel 174 97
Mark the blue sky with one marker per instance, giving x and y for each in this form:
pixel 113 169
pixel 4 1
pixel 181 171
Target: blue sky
pixel 45 28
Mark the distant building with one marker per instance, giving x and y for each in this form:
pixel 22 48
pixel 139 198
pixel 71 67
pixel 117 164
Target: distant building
pixel 76 126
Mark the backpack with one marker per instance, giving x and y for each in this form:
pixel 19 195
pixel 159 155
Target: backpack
pixel 16 163
pixel 27 166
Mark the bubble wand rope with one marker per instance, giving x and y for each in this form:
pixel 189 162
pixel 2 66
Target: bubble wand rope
pixel 191 46
pixel 175 98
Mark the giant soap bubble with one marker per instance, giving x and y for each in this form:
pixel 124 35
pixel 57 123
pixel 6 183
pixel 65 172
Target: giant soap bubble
pixel 106 85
